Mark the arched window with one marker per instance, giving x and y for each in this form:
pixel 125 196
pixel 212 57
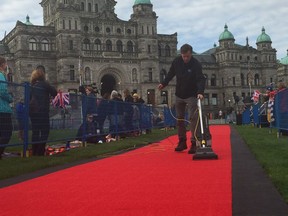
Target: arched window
pixel 87 75
pixel 130 47
pixel 45 45
pixel 108 45
pixel 167 51
pixel 119 46
pixel 213 80
pixel 163 75
pixel 256 80
pixel 32 44
pixel 97 44
pixel 86 44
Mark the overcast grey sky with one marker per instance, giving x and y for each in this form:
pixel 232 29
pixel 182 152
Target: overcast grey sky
pixel 197 22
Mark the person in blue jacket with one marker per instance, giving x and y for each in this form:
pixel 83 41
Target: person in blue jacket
pixel 5 109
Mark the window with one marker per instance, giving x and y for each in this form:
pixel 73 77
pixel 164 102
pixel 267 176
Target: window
pixel 72 73
pixel 234 81
pixel 97 44
pixel 96 8
pixel 65 1
pixel 10 77
pixel 76 27
pixel 213 80
pixel 32 44
pixel 89 7
pixel 256 79
pixel 167 51
pixel 108 30
pixel 242 79
pixel 119 46
pixel 45 45
pixel 150 75
pixel 97 29
pixel 163 75
pixel 70 26
pixel 86 28
pixel 70 44
pixel 118 30
pixel 86 44
pixel 214 99
pixel 129 31
pixel 63 24
pixel 130 46
pixel 149 48
pixel 82 8
pixel 87 75
pixel 206 79
pixel 108 45
pixel 159 50
pixel 206 99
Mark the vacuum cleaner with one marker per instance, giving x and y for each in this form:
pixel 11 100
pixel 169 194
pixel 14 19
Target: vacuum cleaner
pixel 204 151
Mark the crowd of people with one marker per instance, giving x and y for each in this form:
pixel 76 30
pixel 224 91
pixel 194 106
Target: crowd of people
pixel 122 113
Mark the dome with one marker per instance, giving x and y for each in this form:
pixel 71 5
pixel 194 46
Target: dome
pixel 28 21
pixel 263 37
pixel 284 60
pixel 226 35
pixel 142 2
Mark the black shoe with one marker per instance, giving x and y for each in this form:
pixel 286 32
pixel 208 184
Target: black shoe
pixel 192 149
pixel 181 146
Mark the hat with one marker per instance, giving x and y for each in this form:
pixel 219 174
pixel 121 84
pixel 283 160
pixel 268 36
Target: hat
pixel 135 95
pixel 114 93
pixel 269 88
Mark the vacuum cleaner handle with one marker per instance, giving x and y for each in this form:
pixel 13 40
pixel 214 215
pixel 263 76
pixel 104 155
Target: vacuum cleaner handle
pixel 200 115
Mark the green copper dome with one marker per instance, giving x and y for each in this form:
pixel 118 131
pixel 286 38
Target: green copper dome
pixel 284 60
pixel 142 2
pixel 263 37
pixel 28 21
pixel 226 35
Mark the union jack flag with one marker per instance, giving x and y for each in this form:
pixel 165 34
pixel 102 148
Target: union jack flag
pixel 61 100
pixel 255 96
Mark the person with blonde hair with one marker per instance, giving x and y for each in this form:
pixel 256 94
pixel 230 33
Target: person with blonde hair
pixel 5 109
pixel 40 94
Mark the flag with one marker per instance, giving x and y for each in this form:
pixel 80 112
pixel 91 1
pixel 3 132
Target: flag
pixel 255 96
pixel 270 109
pixel 61 100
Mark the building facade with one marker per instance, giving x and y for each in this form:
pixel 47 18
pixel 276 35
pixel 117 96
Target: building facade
pixel 83 42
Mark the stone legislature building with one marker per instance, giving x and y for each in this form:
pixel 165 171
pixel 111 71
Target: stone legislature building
pixel 83 42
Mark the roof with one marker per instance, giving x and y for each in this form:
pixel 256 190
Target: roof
pixel 263 37
pixel 226 35
pixel 142 2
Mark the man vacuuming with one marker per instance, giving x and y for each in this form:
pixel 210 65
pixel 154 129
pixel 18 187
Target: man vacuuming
pixel 190 86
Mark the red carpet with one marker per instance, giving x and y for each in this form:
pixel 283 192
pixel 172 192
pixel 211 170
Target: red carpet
pixel 153 180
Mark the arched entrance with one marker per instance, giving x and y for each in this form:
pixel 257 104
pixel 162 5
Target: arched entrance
pixel 108 83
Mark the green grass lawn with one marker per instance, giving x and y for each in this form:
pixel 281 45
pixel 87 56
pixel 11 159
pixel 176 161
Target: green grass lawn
pixel 271 152
pixel 15 166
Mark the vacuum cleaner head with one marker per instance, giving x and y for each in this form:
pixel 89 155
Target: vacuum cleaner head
pixel 204 153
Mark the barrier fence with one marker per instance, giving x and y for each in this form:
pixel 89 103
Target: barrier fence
pixel 85 118
pixel 257 113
